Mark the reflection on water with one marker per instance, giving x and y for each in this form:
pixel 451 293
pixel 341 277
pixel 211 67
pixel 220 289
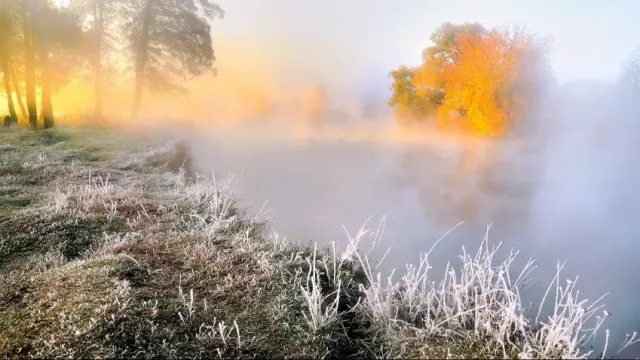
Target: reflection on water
pixel 479 183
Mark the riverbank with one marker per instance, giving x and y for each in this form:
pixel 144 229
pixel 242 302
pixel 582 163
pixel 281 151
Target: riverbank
pixel 110 246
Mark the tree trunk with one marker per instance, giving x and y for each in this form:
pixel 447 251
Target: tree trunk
pixel 45 83
pixel 141 58
pixel 7 86
pixel 30 72
pixel 5 54
pixel 98 13
pixel 46 104
pixel 16 88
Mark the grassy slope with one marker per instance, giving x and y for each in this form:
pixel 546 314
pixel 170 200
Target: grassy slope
pixel 104 252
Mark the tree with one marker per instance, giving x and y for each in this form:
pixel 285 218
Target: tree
pixel 445 47
pixel 428 81
pixel 59 39
pixel 11 39
pixel 480 84
pixel 169 39
pixel 407 97
pixel 7 40
pixel 40 46
pixel 47 36
pixel 101 18
pixel 419 91
pixel 629 80
pixel 17 88
pixel 471 78
pixel 40 50
pixel 29 61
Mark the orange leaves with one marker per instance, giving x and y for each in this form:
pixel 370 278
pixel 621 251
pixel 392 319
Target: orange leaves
pixel 471 79
pixel 427 78
pixel 479 82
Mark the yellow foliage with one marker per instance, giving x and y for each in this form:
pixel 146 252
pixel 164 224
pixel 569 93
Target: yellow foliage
pixel 480 82
pixel 427 78
pixel 477 80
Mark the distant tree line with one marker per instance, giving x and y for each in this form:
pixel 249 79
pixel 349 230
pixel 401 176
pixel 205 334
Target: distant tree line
pixel 629 81
pixel 43 46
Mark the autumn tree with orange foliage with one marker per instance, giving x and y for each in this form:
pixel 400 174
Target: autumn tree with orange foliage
pixel 472 79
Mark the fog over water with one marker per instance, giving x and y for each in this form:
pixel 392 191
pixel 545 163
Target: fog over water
pixel 566 193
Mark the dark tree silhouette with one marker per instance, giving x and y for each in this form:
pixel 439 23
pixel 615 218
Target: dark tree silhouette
pixel 169 39
pixel 49 35
pixel 29 62
pixel 7 39
pixel 59 38
pixel 102 18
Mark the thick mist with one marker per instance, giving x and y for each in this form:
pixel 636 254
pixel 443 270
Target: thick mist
pixel 565 192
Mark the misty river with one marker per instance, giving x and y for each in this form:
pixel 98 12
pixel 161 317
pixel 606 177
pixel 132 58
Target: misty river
pixel 569 197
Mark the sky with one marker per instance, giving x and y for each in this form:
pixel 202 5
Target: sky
pixel 354 44
pixel 359 41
